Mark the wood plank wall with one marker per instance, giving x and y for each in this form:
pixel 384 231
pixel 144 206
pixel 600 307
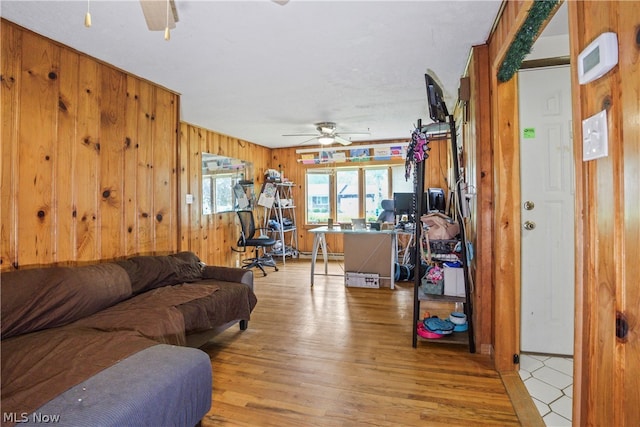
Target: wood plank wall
pixel 88 157
pixel 506 196
pixel 286 159
pixel 212 236
pixel 607 368
pixel 478 163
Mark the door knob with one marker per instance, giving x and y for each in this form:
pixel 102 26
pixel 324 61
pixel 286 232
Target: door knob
pixel 529 205
pixel 529 225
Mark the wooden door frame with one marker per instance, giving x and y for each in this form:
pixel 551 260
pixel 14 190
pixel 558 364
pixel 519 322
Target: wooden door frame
pixel 506 254
pixel 507 217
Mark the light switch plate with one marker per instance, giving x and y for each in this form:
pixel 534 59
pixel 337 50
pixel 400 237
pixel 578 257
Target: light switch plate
pixel 595 137
pixel 189 199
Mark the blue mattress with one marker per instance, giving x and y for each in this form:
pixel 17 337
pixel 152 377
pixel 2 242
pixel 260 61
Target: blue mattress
pixel 163 385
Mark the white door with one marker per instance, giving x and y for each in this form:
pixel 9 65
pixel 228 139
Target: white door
pixel 547 210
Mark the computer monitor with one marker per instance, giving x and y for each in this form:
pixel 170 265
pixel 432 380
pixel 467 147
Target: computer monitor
pixel 403 204
pixel 435 200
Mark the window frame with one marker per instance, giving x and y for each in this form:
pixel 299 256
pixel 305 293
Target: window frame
pixel 332 171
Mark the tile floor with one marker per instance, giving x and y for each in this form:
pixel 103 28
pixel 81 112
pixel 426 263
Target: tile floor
pixel 549 380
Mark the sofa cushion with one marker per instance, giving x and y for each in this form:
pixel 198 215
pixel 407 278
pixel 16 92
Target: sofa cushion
pixel 41 298
pixel 164 385
pixel 150 272
pixel 153 313
pixel 232 301
pixel 37 367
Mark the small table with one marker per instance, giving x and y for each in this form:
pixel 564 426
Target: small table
pixel 319 240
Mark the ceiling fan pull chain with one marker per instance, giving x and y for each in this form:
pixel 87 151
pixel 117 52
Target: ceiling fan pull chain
pixel 167 34
pixel 87 17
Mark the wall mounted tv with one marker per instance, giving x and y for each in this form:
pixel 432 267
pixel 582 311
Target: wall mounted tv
pixel 437 108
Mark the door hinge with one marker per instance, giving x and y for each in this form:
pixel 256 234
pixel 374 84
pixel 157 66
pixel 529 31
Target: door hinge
pixel 516 359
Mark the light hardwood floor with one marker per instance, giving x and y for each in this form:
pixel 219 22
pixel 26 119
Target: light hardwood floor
pixel 334 356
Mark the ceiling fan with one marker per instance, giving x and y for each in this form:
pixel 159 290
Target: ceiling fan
pixel 162 14
pixel 159 14
pixel 327 134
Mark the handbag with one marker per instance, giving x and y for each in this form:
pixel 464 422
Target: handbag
pixel 440 227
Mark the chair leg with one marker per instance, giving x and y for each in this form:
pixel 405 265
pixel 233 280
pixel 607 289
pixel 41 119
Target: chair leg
pixel 259 265
pixel 260 262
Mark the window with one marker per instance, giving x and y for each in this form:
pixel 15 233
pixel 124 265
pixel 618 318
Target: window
pixel 376 183
pixel 344 193
pixel 347 195
pixel 398 182
pixel 223 191
pixel 221 183
pixel 217 193
pixel 318 197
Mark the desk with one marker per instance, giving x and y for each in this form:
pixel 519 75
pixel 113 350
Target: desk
pixel 368 241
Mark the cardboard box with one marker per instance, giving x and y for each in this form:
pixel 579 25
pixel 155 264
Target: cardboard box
pixel 454 281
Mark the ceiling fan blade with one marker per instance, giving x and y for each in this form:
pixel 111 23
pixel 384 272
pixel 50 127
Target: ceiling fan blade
pixel 301 134
pixel 281 2
pixel 307 140
pixel 155 13
pixel 342 140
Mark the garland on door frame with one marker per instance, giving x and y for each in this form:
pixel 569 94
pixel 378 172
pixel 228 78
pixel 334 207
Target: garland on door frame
pixel 523 41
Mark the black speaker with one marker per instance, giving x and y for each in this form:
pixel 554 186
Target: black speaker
pixel 464 91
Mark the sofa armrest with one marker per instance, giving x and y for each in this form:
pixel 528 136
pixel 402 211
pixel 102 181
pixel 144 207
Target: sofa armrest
pixel 228 274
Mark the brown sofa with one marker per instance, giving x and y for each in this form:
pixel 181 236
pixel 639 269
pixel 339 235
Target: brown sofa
pixel 110 333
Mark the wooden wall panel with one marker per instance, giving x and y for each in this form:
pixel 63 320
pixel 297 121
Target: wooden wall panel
pixel 479 175
pixel 67 192
pixel 164 128
pixel 130 199
pixel 87 160
pixel 212 236
pixel 9 98
pixel 37 130
pixel 628 287
pixel 606 380
pixel 66 154
pixel 144 168
pixel 514 12
pixel 608 203
pixel 112 148
pixel 506 190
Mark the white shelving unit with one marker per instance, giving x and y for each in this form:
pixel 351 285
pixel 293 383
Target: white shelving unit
pixel 280 219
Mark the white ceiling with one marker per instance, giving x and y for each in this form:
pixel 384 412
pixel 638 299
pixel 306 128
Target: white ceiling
pixel 256 70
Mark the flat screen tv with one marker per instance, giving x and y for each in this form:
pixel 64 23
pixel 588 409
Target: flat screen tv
pixel 437 108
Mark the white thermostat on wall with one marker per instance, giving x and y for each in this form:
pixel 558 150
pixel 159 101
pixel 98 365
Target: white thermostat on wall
pixel 599 57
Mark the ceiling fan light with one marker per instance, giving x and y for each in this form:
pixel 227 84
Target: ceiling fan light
pixel 326 140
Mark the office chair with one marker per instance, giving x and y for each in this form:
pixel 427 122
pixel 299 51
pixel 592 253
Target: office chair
pixel 249 239
pixel 387 214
